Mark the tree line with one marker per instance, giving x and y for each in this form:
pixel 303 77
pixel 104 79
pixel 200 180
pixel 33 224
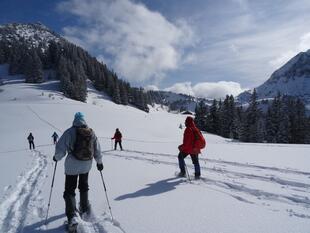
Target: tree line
pixel 281 120
pixel 73 66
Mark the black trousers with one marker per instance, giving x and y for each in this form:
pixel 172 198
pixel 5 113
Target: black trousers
pixel 120 145
pixel 71 183
pixel 69 194
pixel 31 144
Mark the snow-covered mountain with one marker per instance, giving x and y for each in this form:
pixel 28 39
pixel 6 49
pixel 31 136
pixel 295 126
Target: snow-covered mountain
pixel 33 49
pixel 34 34
pixel 181 102
pixel 292 79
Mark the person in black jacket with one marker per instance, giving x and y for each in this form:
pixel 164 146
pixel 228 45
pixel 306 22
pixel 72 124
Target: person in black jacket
pixel 31 141
pixel 55 137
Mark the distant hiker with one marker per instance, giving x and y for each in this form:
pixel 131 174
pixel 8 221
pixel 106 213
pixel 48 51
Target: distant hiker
pixel 193 141
pixel 118 139
pixel 31 141
pixel 81 145
pixel 55 137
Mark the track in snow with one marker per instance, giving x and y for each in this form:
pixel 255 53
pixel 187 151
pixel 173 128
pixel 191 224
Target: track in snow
pixel 25 199
pixel 253 184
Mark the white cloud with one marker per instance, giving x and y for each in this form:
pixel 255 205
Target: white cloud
pixel 217 90
pixel 143 44
pixel 282 59
pixel 151 88
pixel 302 46
pixel 181 88
pixel 207 89
pixel 103 59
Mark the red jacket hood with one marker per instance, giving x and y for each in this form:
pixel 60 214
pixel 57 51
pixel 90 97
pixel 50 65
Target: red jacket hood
pixel 189 122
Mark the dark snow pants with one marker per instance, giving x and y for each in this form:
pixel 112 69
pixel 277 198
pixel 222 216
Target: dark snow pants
pixel 69 194
pixel 120 145
pixel 31 144
pixel 195 161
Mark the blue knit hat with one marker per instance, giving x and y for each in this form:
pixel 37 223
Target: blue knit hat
pixel 79 120
pixel 79 116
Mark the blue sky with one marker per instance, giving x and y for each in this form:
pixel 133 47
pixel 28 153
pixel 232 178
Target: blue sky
pixel 201 47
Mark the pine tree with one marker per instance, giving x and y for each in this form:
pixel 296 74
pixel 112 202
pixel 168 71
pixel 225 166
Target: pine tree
pixel 212 124
pixel 299 125
pixel 251 130
pixel 201 115
pixel 116 95
pixel 227 116
pixel 33 69
pixel 237 123
pixel 124 94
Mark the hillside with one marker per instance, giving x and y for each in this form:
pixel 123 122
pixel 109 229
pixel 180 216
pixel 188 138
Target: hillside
pixel 39 54
pixel 244 187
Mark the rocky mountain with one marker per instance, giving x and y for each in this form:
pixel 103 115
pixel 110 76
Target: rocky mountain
pixel 292 79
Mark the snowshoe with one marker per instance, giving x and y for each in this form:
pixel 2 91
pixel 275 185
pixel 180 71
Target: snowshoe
pixel 85 214
pixel 72 225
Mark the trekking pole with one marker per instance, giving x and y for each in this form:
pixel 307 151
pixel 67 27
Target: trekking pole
pixel 189 178
pixel 106 195
pixel 111 144
pixel 49 201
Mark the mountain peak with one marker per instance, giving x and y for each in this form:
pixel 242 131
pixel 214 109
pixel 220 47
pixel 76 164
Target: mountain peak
pixel 292 79
pixel 33 33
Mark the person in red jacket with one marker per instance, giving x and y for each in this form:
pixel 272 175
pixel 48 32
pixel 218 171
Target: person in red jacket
pixel 118 139
pixel 187 148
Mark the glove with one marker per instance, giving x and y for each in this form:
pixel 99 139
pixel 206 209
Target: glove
pixel 99 166
pixel 180 147
pixel 54 159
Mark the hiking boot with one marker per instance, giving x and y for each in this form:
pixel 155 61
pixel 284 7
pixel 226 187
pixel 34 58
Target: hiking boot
pixel 84 203
pixel 197 176
pixel 181 174
pixel 70 206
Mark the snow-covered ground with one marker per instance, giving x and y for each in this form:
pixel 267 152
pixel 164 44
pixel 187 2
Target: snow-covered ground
pixel 245 187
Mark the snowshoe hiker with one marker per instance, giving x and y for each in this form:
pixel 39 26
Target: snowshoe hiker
pixel 118 139
pixel 81 145
pixel 31 141
pixel 193 142
pixel 55 137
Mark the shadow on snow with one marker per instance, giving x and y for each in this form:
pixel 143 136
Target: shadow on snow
pixel 156 188
pixel 39 227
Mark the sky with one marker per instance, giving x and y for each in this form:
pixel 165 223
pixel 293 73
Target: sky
pixel 205 48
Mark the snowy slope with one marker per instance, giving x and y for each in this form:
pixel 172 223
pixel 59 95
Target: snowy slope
pixel 245 187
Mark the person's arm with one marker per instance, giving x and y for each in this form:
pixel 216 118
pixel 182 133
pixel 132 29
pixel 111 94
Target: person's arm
pixel 187 140
pixel 63 145
pixel 97 151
